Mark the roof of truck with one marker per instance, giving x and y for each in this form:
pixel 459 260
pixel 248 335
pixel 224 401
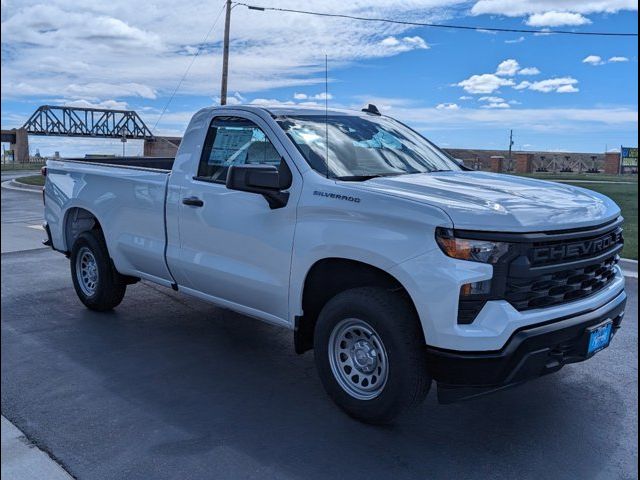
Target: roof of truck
pixel 285 110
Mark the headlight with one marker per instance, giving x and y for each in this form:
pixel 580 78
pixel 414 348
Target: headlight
pixel 483 251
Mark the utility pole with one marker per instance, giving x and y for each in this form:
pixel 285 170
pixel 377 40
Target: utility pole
pixel 225 55
pixel 510 145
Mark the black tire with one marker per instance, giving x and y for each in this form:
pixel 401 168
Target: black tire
pixel 108 289
pixel 395 322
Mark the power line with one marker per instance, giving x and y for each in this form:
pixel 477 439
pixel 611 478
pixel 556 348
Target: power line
pixel 437 25
pixel 186 72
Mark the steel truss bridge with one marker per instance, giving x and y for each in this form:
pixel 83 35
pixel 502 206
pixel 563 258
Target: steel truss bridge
pixel 87 122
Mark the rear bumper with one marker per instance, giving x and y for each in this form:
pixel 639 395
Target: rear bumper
pixel 531 352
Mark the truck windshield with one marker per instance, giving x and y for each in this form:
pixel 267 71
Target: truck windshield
pixel 360 148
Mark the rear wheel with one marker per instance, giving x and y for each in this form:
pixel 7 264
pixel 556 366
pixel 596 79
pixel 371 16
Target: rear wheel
pixel 96 282
pixel 370 354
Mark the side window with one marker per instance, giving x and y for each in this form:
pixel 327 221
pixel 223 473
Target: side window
pixel 234 141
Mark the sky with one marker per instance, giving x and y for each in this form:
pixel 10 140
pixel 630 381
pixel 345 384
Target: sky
pixel 461 89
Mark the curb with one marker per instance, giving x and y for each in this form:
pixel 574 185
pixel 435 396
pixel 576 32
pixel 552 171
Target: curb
pixel 629 267
pixel 21 458
pixel 13 185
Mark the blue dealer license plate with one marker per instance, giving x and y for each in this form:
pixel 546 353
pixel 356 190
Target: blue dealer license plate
pixel 599 337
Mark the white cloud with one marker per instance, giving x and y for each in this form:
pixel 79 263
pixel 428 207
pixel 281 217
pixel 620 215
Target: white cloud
pixel 515 40
pixel 491 82
pixel 529 71
pixel 497 105
pixel 271 101
pixel 235 99
pixel 84 103
pixel 508 67
pixel 559 85
pixel 511 67
pixel 390 42
pixel 519 8
pixel 557 19
pixel 447 106
pixel 317 96
pixel 491 99
pixel 494 102
pixel 322 96
pixel 465 97
pixel 405 43
pixel 567 89
pixel 117 50
pixel 593 60
pixel 416 42
pixel 553 121
pixel 598 60
pixel 485 83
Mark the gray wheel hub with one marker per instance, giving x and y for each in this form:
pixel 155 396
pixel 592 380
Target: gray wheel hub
pixel 358 359
pixel 87 271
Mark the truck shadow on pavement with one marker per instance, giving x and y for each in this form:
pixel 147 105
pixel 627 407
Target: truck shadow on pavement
pixel 170 387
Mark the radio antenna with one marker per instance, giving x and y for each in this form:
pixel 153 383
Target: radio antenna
pixel 326 110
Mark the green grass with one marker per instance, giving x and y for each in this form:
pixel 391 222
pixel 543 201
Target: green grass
pixel 20 166
pixel 626 196
pixel 31 180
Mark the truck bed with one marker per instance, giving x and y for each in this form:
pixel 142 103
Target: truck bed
pixel 156 163
pixel 127 194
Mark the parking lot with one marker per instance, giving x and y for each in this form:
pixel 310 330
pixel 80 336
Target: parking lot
pixel 167 386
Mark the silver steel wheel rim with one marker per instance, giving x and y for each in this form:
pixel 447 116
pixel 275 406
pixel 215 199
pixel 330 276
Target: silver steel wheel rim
pixel 87 271
pixel 358 359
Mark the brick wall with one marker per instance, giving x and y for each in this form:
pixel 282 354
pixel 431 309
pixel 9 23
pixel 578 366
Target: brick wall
pixel 524 162
pixel 612 163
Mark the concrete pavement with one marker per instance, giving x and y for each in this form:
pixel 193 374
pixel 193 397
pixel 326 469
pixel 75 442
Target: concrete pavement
pixel 22 460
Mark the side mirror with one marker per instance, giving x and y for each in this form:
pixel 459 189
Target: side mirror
pixel 461 164
pixel 261 179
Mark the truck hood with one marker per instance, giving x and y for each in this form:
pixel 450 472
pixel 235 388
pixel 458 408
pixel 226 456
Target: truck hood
pixel 497 202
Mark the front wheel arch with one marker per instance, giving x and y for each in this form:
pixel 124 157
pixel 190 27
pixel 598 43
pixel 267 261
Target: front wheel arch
pixel 327 278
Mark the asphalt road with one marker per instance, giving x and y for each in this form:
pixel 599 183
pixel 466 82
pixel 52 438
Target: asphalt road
pixel 169 387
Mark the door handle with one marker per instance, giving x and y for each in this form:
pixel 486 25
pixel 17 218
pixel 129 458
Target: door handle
pixel 193 201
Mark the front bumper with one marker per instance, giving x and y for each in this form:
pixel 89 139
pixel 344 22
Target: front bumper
pixel 531 352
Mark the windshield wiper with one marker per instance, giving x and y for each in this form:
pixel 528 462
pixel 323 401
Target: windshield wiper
pixel 362 178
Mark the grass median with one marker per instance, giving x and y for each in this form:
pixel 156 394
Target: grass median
pixel 10 167
pixel 31 180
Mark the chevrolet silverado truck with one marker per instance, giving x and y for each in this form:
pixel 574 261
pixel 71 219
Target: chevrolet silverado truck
pixel 398 266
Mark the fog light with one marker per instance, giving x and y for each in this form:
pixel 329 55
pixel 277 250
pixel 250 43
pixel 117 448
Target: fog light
pixel 476 288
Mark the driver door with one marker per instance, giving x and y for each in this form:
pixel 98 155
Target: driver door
pixel 235 249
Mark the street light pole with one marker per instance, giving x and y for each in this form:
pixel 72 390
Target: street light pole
pixel 225 55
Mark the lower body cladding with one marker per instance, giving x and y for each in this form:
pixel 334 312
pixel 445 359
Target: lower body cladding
pixel 531 352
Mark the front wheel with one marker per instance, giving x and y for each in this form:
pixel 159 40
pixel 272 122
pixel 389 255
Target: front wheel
pixel 370 354
pixel 96 282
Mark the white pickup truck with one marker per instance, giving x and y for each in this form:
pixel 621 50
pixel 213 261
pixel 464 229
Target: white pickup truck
pixel 397 265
